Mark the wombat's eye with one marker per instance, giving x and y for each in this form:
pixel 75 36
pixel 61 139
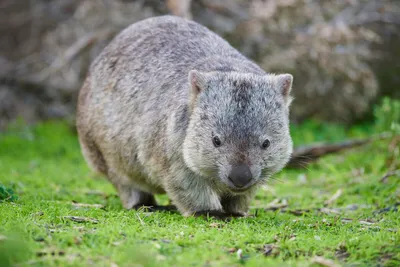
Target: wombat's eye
pixel 266 144
pixel 216 141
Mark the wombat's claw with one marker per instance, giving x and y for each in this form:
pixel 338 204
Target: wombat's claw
pixel 216 214
pixel 237 214
pixel 171 208
pixel 154 208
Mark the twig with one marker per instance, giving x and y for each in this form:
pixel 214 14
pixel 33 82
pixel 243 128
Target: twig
pixel 301 212
pixel 230 10
pixel 307 154
pixel 277 204
pixel 389 174
pixel 85 205
pixel 73 51
pixel 329 211
pixel 140 220
pixel 334 197
pixel 324 262
pixel 363 222
pixel 81 219
pixel 31 85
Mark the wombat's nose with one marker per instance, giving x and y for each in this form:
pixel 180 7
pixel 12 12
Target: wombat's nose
pixel 240 175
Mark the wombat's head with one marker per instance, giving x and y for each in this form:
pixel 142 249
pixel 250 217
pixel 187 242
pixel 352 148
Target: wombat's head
pixel 239 127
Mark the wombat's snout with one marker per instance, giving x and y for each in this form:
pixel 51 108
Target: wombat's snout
pixel 240 176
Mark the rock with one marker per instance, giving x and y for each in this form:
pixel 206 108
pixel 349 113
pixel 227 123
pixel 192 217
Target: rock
pixel 343 56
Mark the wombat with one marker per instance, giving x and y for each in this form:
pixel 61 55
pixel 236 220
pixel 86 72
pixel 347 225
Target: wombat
pixel 170 107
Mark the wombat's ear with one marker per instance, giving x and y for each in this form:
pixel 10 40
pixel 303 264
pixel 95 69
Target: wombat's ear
pixel 198 82
pixel 284 85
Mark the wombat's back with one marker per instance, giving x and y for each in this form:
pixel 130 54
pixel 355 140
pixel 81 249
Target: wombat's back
pixel 161 49
pixel 147 64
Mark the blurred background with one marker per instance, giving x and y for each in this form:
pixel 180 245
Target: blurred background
pixel 344 54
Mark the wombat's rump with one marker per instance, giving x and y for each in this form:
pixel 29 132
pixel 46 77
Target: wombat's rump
pixel 169 106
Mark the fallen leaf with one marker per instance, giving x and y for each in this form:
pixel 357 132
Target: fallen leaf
pixel 81 219
pixel 77 240
pixel 389 174
pixel 277 204
pixel 270 250
pixel 363 222
pixel 161 257
pixel 298 212
pixel 366 222
pixel 40 213
pixel 341 252
pixel 358 172
pixel 117 243
pixel 346 220
pixel 239 253
pixel 72 257
pixel 302 179
pixel 329 211
pixel 334 197
pixel 352 207
pixel 97 193
pixel 232 250
pixel 85 205
pixel 324 262
pixel 216 225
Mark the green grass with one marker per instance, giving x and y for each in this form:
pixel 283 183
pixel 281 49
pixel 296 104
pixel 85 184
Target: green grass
pixel 42 172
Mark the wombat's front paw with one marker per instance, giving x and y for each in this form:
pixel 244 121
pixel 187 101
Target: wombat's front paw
pixel 237 214
pixel 170 208
pixel 216 214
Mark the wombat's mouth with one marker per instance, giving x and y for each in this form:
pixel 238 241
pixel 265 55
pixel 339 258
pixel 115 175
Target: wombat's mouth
pixel 238 190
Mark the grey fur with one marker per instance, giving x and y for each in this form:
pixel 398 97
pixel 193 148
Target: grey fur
pixel 154 99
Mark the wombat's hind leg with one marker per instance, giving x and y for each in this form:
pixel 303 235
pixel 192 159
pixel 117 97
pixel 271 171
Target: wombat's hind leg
pixel 92 154
pixel 134 199
pixel 130 196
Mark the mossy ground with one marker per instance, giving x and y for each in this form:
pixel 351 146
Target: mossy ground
pixel 43 167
